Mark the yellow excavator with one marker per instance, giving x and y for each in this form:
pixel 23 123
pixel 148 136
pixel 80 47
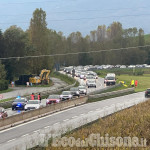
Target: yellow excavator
pixel 43 78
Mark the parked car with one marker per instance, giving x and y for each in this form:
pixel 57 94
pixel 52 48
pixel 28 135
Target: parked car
pixel 3 113
pixel 33 104
pixel 75 91
pixel 19 103
pixel 91 83
pixel 66 95
pixel 82 90
pixel 147 93
pixel 53 99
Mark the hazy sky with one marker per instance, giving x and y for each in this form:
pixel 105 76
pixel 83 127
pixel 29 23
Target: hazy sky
pixel 77 15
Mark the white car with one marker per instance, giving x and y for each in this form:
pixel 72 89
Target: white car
pixel 82 90
pixel 91 83
pixel 33 104
pixel 66 95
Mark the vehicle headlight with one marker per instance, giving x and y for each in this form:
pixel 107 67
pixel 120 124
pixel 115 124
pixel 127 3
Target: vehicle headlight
pixel 77 92
pixel 61 96
pixel 70 96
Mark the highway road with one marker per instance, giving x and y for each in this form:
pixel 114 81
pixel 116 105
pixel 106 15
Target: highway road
pixel 21 91
pixel 59 122
pixel 99 85
pixel 57 84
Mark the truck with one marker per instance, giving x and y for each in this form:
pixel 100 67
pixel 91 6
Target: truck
pixel 43 78
pixel 110 79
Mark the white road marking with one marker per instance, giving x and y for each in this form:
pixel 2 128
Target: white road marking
pixel 82 114
pixel 66 120
pixel 90 111
pixel 36 131
pixel 11 140
pixel 56 123
pixel 47 127
pixel 42 118
pixel 74 117
pixel 24 135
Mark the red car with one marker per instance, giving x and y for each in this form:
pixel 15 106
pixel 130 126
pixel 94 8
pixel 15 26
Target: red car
pixel 53 99
pixel 3 113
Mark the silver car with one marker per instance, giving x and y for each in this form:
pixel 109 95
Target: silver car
pixel 66 95
pixel 82 90
pixel 91 83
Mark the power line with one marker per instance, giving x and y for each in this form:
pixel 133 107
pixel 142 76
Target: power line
pixel 73 19
pixel 18 3
pixel 76 11
pixel 38 56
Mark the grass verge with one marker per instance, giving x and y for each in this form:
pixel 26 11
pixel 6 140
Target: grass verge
pixel 64 78
pixel 5 91
pixel 120 124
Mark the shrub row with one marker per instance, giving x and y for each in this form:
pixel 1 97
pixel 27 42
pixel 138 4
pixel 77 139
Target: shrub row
pixel 3 85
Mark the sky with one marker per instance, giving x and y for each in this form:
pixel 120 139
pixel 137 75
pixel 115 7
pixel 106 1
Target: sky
pixel 77 15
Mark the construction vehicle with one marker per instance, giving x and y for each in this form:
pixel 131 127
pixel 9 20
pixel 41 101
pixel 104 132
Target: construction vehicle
pixel 43 78
pixel 23 79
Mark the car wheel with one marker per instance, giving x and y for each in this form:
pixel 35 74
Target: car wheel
pixel 95 86
pixel 12 108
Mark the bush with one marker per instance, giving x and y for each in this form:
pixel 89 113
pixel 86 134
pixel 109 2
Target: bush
pixel 138 73
pixel 3 85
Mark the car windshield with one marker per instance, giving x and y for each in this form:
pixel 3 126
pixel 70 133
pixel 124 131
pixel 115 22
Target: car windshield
pixel 148 90
pixel 33 102
pixel 90 77
pixel 19 100
pixel 1 110
pixel 74 89
pixel 91 81
pixel 110 78
pixel 82 87
pixel 53 97
pixel 65 93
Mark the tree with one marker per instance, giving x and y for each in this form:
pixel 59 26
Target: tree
pixel 38 35
pixel 14 40
pixel 141 37
pixel 2 72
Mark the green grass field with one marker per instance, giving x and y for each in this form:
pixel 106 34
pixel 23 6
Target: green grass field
pixel 143 81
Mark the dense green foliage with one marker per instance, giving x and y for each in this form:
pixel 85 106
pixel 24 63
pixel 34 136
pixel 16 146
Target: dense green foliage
pixel 38 39
pixel 3 82
pixel 3 85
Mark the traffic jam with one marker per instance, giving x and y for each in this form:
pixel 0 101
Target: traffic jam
pixel 87 80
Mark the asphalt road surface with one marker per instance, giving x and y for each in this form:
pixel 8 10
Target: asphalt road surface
pixel 21 91
pixel 99 85
pixel 73 116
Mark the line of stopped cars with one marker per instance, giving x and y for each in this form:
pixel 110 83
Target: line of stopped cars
pixel 67 95
pixel 84 74
pixel 22 103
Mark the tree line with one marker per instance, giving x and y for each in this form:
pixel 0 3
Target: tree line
pixel 38 39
